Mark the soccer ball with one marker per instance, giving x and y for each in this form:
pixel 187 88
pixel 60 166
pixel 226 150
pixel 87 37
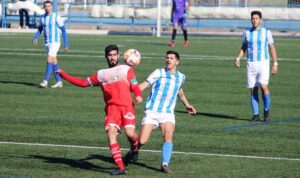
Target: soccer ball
pixel 132 57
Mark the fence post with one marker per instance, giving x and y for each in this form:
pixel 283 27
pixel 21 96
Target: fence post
pixel 158 23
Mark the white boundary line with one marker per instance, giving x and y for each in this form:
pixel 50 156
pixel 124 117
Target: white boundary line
pixel 186 57
pixel 152 151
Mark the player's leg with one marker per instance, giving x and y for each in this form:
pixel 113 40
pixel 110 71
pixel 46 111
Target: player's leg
pixel 174 32
pixel 149 123
pixel 264 80
pixel 146 131
pixel 44 83
pixel 112 133
pixel 267 102
pixel 129 123
pixel 132 154
pixel 254 103
pixel 253 85
pixel 53 52
pixel 184 30
pixel 112 127
pixel 167 131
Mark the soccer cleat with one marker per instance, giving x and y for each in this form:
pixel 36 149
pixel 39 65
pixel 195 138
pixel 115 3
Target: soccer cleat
pixel 44 84
pixel 255 118
pixel 57 85
pixel 118 172
pixel 131 156
pixel 165 168
pixel 186 43
pixel 267 116
pixel 172 43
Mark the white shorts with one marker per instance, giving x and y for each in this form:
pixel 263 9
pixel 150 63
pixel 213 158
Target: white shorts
pixel 258 72
pixel 52 49
pixel 156 118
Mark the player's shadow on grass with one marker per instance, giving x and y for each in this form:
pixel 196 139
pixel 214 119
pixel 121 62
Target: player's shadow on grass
pixel 80 163
pixel 110 160
pixel 20 83
pixel 214 115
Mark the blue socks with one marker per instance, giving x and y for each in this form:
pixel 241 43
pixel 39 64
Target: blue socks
pixel 254 103
pixel 167 152
pixel 56 75
pixel 267 101
pixel 48 71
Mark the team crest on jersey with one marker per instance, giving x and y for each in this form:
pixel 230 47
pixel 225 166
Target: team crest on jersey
pixel 129 116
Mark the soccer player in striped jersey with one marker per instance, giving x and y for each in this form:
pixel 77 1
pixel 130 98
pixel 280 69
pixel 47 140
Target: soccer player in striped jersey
pixel 116 82
pixel 178 16
pixel 167 84
pixel 256 42
pixel 49 25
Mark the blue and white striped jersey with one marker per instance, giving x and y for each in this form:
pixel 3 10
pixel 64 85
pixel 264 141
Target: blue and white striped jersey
pixel 51 24
pixel 257 42
pixel 165 87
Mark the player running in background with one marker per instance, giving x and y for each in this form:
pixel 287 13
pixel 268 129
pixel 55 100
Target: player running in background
pixel 49 24
pixel 256 41
pixel 117 82
pixel 166 84
pixel 178 16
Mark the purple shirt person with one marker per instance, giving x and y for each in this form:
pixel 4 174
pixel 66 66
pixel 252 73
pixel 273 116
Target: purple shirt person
pixel 178 16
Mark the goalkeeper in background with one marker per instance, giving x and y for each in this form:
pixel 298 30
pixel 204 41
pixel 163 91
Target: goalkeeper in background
pixel 178 16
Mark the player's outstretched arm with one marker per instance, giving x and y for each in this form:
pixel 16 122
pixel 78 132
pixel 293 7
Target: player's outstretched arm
pixel 74 80
pixel 191 110
pixel 144 85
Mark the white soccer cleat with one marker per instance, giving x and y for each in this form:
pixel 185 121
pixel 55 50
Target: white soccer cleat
pixel 57 85
pixel 44 84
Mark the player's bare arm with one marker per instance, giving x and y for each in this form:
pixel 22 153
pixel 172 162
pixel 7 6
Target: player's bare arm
pixel 144 85
pixel 240 55
pixel 274 57
pixel 191 110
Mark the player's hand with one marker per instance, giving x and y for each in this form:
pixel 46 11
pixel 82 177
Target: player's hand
pixel 185 15
pixel 138 99
pixel 34 42
pixel 191 110
pixel 58 71
pixel 66 49
pixel 237 63
pixel 275 69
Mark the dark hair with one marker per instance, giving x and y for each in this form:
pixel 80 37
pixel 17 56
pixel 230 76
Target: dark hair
pixel 48 2
pixel 173 52
pixel 110 48
pixel 256 13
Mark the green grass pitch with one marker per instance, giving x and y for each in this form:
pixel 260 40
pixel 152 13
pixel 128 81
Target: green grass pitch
pixel 218 142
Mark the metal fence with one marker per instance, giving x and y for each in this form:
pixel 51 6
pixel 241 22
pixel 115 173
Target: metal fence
pixel 77 14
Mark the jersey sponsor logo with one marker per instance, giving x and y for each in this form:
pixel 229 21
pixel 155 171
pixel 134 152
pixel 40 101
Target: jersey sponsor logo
pixel 129 115
pixel 111 80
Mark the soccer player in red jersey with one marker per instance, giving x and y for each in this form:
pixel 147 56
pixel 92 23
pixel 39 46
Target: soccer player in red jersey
pixel 116 82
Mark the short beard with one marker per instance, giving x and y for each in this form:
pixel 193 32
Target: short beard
pixel 112 65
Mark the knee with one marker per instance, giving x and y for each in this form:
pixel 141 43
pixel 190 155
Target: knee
pixel 142 141
pixel 168 136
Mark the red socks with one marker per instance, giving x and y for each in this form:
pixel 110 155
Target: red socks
pixel 117 154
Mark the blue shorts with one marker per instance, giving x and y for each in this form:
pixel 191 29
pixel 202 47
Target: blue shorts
pixel 179 20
